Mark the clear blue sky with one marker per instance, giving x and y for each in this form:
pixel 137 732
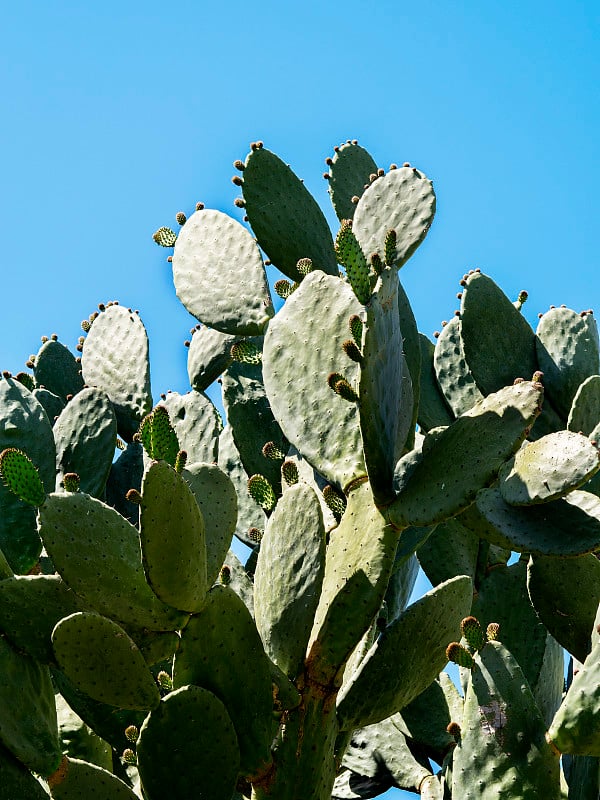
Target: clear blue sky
pixel 117 115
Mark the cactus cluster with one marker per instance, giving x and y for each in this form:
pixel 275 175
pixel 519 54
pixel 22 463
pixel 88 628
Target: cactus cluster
pixel 141 659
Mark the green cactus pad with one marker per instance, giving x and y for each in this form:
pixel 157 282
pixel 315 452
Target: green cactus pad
pixel 326 430
pixel 78 740
pixel 433 409
pixel 78 779
pixel 100 658
pixel 217 499
pixel 56 369
pixel 566 527
pixel 249 514
pixel 187 748
pixel 50 402
pixel 402 200
pixel 359 562
pixel 158 436
pixel 503 599
pixel 349 171
pixel 451 550
pixel 30 607
pixel 115 359
pixel 381 388
pixel 219 274
pixel 568 353
pixel 21 476
pixel 502 752
pixel 565 594
pixel 416 644
pixel 498 343
pixel 85 434
pixel 251 419
pixel 172 539
pixel 221 651
pixel 548 468
pixel 452 371
pixel 209 355
pixel 285 218
pixel 585 409
pixel 447 477
pixel 412 354
pixel 101 561
pixel 16 781
pixel 125 474
pixel 28 726
pixel 352 258
pixel 197 424
pixel 289 575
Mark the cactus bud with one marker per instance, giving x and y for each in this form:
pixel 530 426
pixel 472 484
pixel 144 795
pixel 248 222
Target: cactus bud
pixel 199 206
pixel 333 378
pixel 304 266
pixel 262 492
pixel 131 733
pixel 390 247
pixel 71 482
pixel 158 436
pixel 134 497
pixel 180 218
pixel 473 632
pixel 271 451
pixel 352 351
pixel 26 379
pixel 289 471
pixel 459 655
pixel 343 388
pixel 284 288
pixel 492 631
pixel 225 575
pixel 351 257
pixel 453 728
pixel 356 329
pixel 239 165
pixel 246 352
pixel 180 461
pixel 255 535
pixel 165 237
pixel 164 681
pixel 336 502
pixel 376 263
pixel 129 756
pixel 518 304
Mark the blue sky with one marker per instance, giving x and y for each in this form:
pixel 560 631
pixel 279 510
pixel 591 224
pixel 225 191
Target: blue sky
pixel 116 116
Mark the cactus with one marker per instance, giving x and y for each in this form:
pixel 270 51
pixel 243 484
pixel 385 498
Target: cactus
pixel 306 672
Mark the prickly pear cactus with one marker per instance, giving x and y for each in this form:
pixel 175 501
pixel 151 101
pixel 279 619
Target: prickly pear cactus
pixel 309 671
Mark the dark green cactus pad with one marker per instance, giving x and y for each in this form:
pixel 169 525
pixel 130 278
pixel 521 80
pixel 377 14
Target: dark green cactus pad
pixel 433 409
pixel 288 577
pixel 30 607
pixel 28 726
pixel 412 354
pixel 565 594
pixel 115 359
pixel 221 651
pixel 569 526
pixel 502 752
pixel 56 369
pixel 285 218
pixel 548 468
pixel 452 371
pixel 187 748
pixel 172 539
pixel 219 274
pixel 402 582
pixel 451 550
pixel 50 402
pixel 19 539
pixel 209 355
pixel 78 740
pixel 158 436
pixel 359 562
pixel 21 477
pixel 78 779
pixel 568 353
pixel 416 645
pixel 349 171
pixel 503 599
pixel 249 514
pixel 583 776
pixel 447 478
pixel 197 424
pixel 498 343
pixel 326 429
pixel 381 388
pixel 100 658
pixel 425 720
pixel 155 646
pixel 585 409
pixel 403 200
pixel 108 722
pixel 382 754
pixel 5 568
pixel 125 474
pixel 101 561
pixel 85 434
pixel 16 781
pixel 216 497
pixel 251 419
